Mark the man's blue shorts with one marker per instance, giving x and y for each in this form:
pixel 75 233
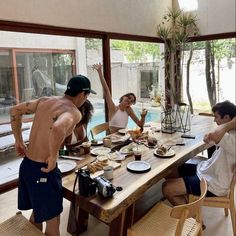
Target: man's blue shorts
pixel 192 183
pixel 39 191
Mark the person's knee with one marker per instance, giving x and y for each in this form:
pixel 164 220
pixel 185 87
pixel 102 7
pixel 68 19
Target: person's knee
pixel 166 189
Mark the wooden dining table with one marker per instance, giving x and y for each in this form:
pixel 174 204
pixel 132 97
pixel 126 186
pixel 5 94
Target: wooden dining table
pixel 118 212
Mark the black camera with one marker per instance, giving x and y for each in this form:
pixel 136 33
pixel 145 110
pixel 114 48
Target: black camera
pixel 88 186
pixel 105 187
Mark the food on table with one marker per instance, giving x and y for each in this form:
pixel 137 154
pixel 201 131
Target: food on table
pixel 102 158
pixel 135 133
pixel 97 165
pixel 161 150
pixel 152 141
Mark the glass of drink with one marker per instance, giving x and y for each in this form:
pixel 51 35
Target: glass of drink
pixel 137 154
pixel 86 146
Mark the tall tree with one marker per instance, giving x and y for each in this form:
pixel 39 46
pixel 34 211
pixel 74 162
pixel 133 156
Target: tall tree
pixel 210 73
pixel 188 77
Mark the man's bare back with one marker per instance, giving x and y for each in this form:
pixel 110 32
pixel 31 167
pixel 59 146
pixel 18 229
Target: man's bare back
pixel 54 120
pixel 48 112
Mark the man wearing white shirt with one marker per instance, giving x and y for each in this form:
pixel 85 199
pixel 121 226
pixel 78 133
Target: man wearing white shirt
pixel 217 171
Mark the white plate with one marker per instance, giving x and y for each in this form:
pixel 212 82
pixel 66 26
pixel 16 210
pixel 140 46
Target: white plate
pixel 123 131
pixel 138 166
pixel 100 151
pixel 66 165
pixel 169 153
pixel 118 138
pixel 127 150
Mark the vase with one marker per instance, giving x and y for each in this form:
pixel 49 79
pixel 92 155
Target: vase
pixel 182 117
pixel 168 121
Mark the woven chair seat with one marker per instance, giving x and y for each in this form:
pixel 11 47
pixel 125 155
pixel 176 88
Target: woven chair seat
pixel 18 225
pixel 157 222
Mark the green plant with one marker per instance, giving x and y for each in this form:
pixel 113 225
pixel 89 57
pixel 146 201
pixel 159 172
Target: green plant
pixel 175 29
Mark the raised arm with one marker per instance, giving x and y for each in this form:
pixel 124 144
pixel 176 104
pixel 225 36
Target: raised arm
pixel 140 122
pixel 216 135
pixel 16 113
pixel 106 91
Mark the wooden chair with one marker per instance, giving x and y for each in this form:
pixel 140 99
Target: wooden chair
pixel 164 220
pixel 99 129
pixel 226 202
pixel 19 225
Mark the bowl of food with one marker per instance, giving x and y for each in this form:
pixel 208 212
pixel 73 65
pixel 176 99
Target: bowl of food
pixel 151 141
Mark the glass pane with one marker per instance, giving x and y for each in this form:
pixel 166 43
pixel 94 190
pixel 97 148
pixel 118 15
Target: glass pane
pixel 212 73
pixel 36 65
pixel 137 67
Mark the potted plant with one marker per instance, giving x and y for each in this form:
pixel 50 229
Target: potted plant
pixel 175 29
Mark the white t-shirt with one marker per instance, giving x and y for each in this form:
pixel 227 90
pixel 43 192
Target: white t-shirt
pixel 218 170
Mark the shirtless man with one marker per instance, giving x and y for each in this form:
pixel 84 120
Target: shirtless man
pixel 40 186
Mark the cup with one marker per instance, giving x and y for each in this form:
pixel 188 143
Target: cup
pixel 86 146
pixel 107 142
pixel 108 172
pixel 137 154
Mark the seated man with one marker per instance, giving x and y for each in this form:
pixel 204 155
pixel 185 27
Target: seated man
pixel 217 171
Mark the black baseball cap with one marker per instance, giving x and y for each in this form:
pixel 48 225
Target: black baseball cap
pixel 78 84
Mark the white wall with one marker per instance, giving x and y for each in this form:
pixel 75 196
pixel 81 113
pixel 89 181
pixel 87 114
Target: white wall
pixel 215 16
pixel 122 16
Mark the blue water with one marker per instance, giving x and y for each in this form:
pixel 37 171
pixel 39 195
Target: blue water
pixel 99 117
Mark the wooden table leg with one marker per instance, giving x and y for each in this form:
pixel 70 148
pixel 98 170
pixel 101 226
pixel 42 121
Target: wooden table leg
pixel 116 226
pixel 128 220
pixel 79 223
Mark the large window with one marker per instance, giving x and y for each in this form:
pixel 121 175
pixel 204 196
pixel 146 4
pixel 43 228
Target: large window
pixel 136 67
pixel 40 65
pixel 212 73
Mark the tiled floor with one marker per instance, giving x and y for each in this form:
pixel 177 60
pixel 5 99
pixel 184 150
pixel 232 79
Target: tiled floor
pixel 216 223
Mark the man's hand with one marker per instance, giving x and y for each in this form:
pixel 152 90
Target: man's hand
pixel 21 149
pixel 217 134
pixel 51 165
pixel 209 138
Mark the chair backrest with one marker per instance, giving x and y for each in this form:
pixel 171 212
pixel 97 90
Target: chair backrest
pixel 232 185
pixel 192 209
pixel 99 128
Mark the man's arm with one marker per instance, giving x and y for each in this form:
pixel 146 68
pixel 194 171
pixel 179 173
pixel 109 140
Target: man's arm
pixel 216 135
pixel 16 113
pixel 61 128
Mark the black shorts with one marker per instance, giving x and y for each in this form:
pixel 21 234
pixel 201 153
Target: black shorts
pixel 192 183
pixel 39 191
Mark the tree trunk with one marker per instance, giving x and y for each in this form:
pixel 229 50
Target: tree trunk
pixel 188 78
pixel 210 74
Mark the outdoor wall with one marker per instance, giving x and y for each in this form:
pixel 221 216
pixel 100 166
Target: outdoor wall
pixel 139 17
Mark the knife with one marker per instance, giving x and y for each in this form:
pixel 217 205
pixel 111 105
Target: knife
pixel 72 158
